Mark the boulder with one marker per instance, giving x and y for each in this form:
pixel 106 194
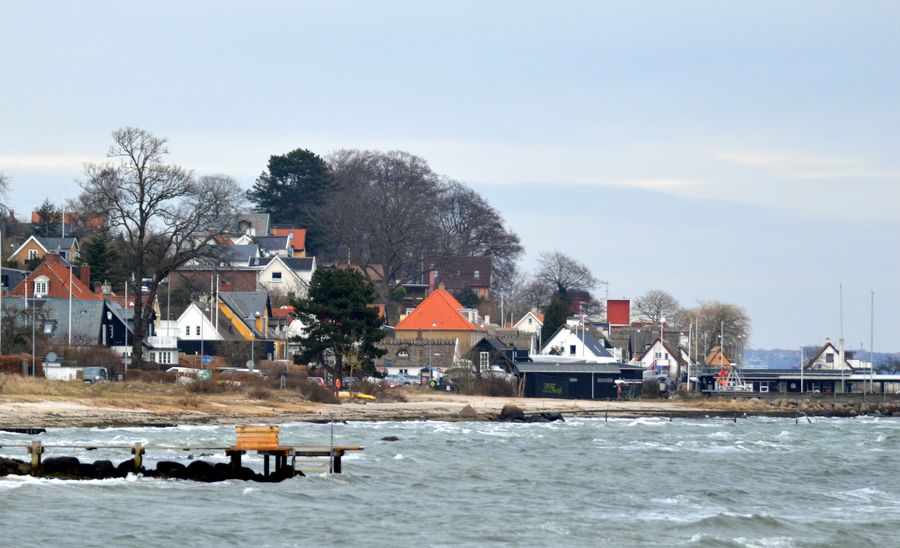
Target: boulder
pixel 126 467
pixel 10 466
pixel 104 469
pixel 170 469
pixel 552 416
pixel 511 412
pixel 468 412
pixel 203 471
pixel 61 467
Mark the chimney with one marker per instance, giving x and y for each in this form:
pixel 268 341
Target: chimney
pixel 84 274
pixel 52 257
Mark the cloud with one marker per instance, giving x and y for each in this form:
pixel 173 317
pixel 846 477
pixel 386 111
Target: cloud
pixel 52 162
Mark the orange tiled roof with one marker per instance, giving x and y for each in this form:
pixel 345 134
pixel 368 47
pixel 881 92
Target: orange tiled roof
pixel 298 236
pixel 438 312
pixel 58 275
pixel 538 315
pixel 284 310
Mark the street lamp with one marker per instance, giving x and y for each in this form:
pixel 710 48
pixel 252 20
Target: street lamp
pixel 253 335
pixel 202 354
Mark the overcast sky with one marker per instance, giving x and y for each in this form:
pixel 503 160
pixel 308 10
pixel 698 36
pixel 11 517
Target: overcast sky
pixel 741 151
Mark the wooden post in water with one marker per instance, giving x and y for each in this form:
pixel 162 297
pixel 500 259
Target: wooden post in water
pixel 36 451
pixel 138 452
pixel 235 462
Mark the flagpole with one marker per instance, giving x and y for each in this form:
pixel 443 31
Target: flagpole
pixel 70 301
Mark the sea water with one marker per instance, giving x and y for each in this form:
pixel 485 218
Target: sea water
pixel 583 482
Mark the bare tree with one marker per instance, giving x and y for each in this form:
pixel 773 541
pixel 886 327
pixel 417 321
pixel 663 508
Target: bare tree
pixel 382 217
pixel 165 217
pixel 558 272
pixel 710 317
pixel 657 305
pixel 4 190
pixel 470 227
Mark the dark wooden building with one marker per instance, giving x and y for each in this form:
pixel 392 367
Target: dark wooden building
pixel 577 380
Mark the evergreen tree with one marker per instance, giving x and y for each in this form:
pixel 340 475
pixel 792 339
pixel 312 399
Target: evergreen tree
pixel 291 189
pixel 101 253
pixel 338 319
pixel 49 225
pixel 555 315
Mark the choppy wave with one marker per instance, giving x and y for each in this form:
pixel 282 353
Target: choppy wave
pixel 588 481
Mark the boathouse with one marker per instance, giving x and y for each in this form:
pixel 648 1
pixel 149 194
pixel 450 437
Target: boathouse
pixel 577 379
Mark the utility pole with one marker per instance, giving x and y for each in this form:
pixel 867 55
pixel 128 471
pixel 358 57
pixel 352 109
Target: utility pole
pixel 872 344
pixel 841 341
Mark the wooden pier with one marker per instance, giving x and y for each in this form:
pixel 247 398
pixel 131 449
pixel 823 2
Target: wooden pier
pixel 279 461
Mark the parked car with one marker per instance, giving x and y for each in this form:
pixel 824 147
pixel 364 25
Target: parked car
pixel 318 381
pixel 95 374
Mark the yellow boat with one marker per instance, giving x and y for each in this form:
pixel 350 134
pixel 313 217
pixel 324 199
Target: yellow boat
pixel 348 395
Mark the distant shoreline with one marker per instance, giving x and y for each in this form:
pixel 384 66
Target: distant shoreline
pixel 25 411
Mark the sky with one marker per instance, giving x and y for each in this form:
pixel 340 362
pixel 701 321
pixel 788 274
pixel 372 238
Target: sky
pixel 739 151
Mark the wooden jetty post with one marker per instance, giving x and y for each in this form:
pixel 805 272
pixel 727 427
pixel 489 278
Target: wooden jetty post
pixel 36 450
pixel 138 451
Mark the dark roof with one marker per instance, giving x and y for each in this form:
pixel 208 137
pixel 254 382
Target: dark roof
pixel 87 317
pixel 294 263
pixel 237 253
pixel 564 367
pixel 273 243
pixel 594 344
pixel 56 244
pixel 246 304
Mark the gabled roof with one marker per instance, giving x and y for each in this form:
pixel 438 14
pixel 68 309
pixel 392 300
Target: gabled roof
pixel 826 346
pixel 437 312
pixel 57 272
pixel 86 318
pixel 297 264
pixel 535 314
pixel 49 244
pixel 592 343
pixel 246 303
pixel 57 244
pixel 674 353
pixel 712 359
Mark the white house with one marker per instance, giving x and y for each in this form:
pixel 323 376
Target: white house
pixel 829 359
pixel 531 322
pixel 194 324
pixel 663 359
pixel 287 276
pixel 575 343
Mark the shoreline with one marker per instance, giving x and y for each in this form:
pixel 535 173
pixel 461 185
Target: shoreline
pixel 19 412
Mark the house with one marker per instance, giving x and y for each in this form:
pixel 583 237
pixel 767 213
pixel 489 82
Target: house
pixel 440 317
pixel 246 313
pixel 573 379
pixel 717 358
pixel 578 343
pixel 285 276
pixel 36 247
pixel 245 226
pixel 490 352
pixel 285 327
pixel 10 278
pixel 197 323
pixel 663 359
pixel 460 274
pixel 73 220
pixel 409 357
pixel 531 322
pixel 828 358
pixel 53 278
pixel 297 239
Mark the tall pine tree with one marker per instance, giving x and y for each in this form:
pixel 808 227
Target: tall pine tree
pixel 101 253
pixel 291 189
pixel 555 315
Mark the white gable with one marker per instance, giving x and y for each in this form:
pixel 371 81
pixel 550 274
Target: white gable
pixel 194 324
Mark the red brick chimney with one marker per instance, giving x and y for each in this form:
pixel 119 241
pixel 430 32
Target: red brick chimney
pixel 52 257
pixel 84 274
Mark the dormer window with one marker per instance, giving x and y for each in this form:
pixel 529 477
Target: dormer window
pixel 41 285
pixel 477 274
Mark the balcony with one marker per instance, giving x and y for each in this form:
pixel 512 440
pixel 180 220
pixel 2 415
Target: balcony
pixel 162 342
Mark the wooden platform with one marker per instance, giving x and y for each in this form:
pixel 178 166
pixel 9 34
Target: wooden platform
pixel 262 439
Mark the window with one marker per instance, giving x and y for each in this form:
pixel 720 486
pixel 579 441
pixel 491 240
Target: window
pixel 48 328
pixel 32 254
pixel 62 254
pixel 572 349
pixel 402 354
pixel 658 355
pixel 476 274
pixel 484 361
pixel 666 355
pixel 187 331
pixel 829 358
pixel 40 287
pixel 276 277
pixel 198 330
